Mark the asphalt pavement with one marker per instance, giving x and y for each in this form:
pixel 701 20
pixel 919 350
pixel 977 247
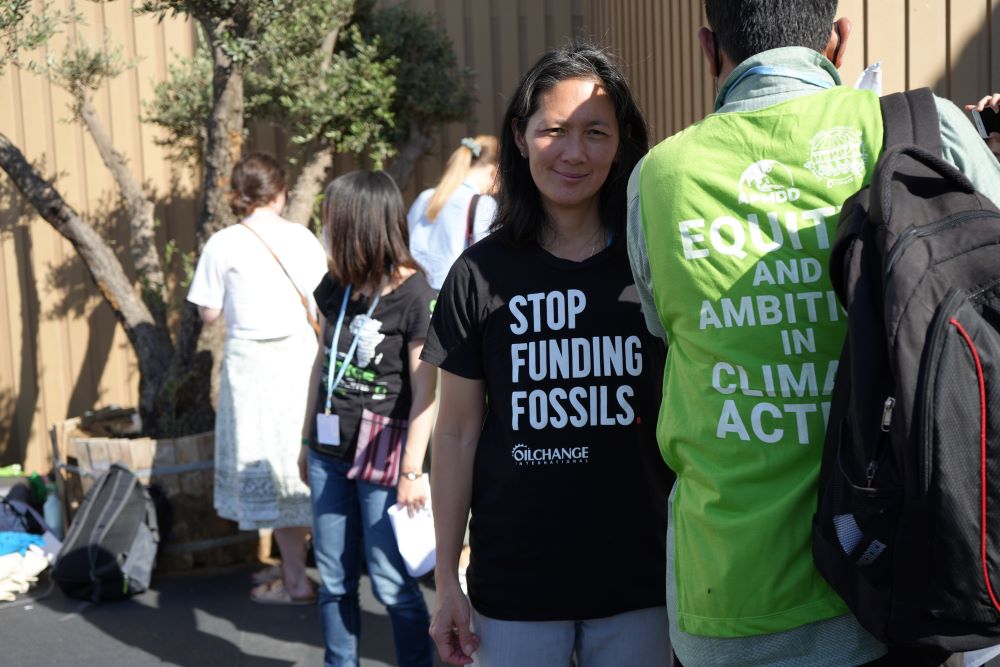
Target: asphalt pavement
pixel 197 618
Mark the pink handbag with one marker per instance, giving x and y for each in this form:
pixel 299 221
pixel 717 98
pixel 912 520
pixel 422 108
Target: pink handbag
pixel 380 449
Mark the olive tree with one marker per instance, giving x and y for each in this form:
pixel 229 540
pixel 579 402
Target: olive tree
pixel 331 72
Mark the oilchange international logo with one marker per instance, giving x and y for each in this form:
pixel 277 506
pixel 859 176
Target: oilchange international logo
pixel 544 456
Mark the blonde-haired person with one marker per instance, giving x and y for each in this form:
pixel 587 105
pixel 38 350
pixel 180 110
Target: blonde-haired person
pixel 450 217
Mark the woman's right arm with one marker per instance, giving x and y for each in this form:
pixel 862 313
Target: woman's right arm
pixel 456 434
pixel 310 412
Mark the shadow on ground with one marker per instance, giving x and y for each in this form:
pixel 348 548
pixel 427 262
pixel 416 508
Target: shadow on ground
pixel 190 619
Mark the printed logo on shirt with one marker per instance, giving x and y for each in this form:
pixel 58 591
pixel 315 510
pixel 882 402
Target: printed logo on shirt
pixel 767 182
pixel 837 156
pixel 543 456
pixel 366 330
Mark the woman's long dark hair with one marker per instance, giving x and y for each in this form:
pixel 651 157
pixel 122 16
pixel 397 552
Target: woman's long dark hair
pixel 365 226
pixel 520 215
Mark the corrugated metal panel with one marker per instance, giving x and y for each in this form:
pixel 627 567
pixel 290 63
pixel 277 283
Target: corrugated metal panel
pixel 950 45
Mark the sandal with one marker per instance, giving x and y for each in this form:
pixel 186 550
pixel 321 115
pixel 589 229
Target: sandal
pixel 267 575
pixel 274 593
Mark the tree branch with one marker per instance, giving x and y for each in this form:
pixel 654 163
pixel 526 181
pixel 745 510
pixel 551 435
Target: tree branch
pixel 308 186
pixel 150 341
pixel 417 143
pixel 142 246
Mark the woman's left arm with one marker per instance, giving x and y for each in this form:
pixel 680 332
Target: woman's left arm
pixel 423 378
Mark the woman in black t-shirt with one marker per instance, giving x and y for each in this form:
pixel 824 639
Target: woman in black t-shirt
pixel 366 433
pixel 549 396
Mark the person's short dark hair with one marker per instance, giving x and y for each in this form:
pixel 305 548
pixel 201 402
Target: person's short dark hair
pixel 520 216
pixel 745 28
pixel 256 180
pixel 365 225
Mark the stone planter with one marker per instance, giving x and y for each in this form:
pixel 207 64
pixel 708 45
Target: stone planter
pixel 182 470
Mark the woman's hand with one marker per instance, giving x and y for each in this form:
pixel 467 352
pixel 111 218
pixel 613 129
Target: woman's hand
pixel 304 464
pixel 451 627
pixel 413 494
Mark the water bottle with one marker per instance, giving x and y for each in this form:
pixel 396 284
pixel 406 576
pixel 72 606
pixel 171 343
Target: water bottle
pixel 52 510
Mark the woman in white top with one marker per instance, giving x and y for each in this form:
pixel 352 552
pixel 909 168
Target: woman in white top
pixel 264 383
pixel 447 219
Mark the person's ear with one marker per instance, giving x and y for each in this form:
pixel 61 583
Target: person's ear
pixel 522 145
pixel 837 45
pixel 710 49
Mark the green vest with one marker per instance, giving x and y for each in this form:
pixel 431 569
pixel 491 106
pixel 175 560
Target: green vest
pixel 739 212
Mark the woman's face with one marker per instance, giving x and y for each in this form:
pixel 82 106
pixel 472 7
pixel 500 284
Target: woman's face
pixel 570 142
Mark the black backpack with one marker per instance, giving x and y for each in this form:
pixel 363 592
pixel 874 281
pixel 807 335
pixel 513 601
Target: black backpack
pixel 110 549
pixel 907 528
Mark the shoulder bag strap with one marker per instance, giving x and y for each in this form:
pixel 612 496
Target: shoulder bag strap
pixel 313 322
pixel 470 219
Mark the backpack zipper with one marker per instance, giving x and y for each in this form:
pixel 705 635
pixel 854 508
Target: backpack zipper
pixel 890 403
pixel 913 233
pixel 887 407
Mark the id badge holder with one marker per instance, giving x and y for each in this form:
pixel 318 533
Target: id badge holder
pixel 328 429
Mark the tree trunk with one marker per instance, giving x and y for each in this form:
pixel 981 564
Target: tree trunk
pixel 142 244
pixel 308 187
pixel 310 182
pixel 184 405
pixel 150 340
pixel 417 143
pixel 224 141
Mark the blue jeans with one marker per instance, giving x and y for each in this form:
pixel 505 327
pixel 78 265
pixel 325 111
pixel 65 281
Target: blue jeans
pixel 347 512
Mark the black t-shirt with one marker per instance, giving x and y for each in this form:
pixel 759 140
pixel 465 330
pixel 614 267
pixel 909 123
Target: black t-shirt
pixel 378 374
pixel 569 493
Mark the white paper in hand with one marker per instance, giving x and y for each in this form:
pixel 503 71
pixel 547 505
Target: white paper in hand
pixel 871 79
pixel 415 537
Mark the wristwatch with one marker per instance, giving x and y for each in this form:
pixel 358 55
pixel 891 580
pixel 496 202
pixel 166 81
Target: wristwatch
pixel 412 476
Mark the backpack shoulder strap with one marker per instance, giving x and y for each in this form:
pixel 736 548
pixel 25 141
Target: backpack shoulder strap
pixel 912 118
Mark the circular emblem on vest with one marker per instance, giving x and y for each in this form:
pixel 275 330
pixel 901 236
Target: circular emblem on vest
pixel 837 156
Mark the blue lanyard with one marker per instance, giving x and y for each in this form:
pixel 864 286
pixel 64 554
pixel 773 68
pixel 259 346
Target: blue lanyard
pixel 331 382
pixel 765 70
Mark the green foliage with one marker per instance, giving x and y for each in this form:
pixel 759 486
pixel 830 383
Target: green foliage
pixel 235 24
pixel 19 32
pixel 346 106
pixel 182 105
pixel 338 98
pixel 82 67
pixel 432 89
pixel 390 68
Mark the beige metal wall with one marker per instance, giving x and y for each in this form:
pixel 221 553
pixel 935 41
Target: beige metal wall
pixel 953 46
pixel 61 351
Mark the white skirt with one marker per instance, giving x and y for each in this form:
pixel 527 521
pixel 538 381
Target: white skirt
pixel 263 390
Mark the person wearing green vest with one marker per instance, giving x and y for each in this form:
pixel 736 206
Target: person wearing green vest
pixel 730 227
